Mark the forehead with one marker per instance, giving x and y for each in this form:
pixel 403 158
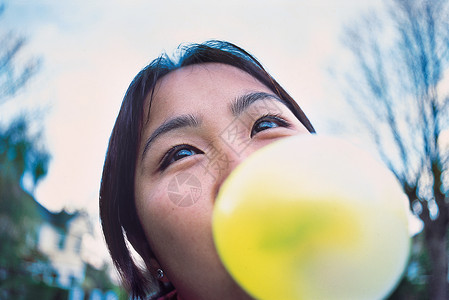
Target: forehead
pixel 201 87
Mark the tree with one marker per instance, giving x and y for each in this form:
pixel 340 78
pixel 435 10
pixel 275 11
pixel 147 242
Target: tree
pixel 100 279
pixel 396 88
pixel 12 76
pixel 97 278
pixel 21 156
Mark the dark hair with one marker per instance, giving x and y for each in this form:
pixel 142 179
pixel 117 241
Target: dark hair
pixel 117 206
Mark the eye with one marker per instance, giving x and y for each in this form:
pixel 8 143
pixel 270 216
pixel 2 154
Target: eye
pixel 267 122
pixel 176 153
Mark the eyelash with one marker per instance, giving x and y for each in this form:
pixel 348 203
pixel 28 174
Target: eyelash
pixel 270 117
pixel 169 155
pixel 166 160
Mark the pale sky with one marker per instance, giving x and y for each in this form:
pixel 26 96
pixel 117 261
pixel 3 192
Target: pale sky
pixel 91 50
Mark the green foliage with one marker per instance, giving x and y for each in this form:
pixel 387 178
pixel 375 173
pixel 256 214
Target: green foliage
pixel 413 285
pixel 20 153
pixel 97 278
pixel 122 294
pixel 23 161
pixel 19 156
pixel 408 290
pixel 21 286
pixel 19 217
pixel 100 279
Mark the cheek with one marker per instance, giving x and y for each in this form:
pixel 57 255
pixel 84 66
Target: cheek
pixel 154 213
pixel 151 203
pixel 179 189
pixel 151 198
pixel 168 215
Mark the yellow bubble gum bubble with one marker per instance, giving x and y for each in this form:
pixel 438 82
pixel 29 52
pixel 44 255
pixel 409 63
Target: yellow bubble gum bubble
pixel 312 217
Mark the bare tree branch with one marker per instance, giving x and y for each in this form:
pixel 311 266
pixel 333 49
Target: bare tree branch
pixel 400 62
pixel 14 75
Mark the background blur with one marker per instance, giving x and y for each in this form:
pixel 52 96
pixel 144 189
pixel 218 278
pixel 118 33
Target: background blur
pixel 65 66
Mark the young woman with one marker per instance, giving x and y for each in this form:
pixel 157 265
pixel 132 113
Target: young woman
pixel 184 125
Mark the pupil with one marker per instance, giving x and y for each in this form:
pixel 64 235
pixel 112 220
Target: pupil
pixel 183 153
pixel 266 124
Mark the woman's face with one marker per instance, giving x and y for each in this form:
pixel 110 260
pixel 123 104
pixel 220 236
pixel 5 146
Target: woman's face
pixel 204 121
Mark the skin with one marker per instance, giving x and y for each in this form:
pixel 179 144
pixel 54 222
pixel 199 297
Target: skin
pixel 181 237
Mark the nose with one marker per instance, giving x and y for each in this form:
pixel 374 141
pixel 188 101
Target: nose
pixel 230 160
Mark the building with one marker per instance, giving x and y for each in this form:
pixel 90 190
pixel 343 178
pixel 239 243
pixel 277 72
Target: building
pixel 60 238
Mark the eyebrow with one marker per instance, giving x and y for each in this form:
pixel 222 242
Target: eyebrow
pixel 244 101
pixel 170 125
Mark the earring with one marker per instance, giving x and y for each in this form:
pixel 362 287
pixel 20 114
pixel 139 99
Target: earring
pixel 160 273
